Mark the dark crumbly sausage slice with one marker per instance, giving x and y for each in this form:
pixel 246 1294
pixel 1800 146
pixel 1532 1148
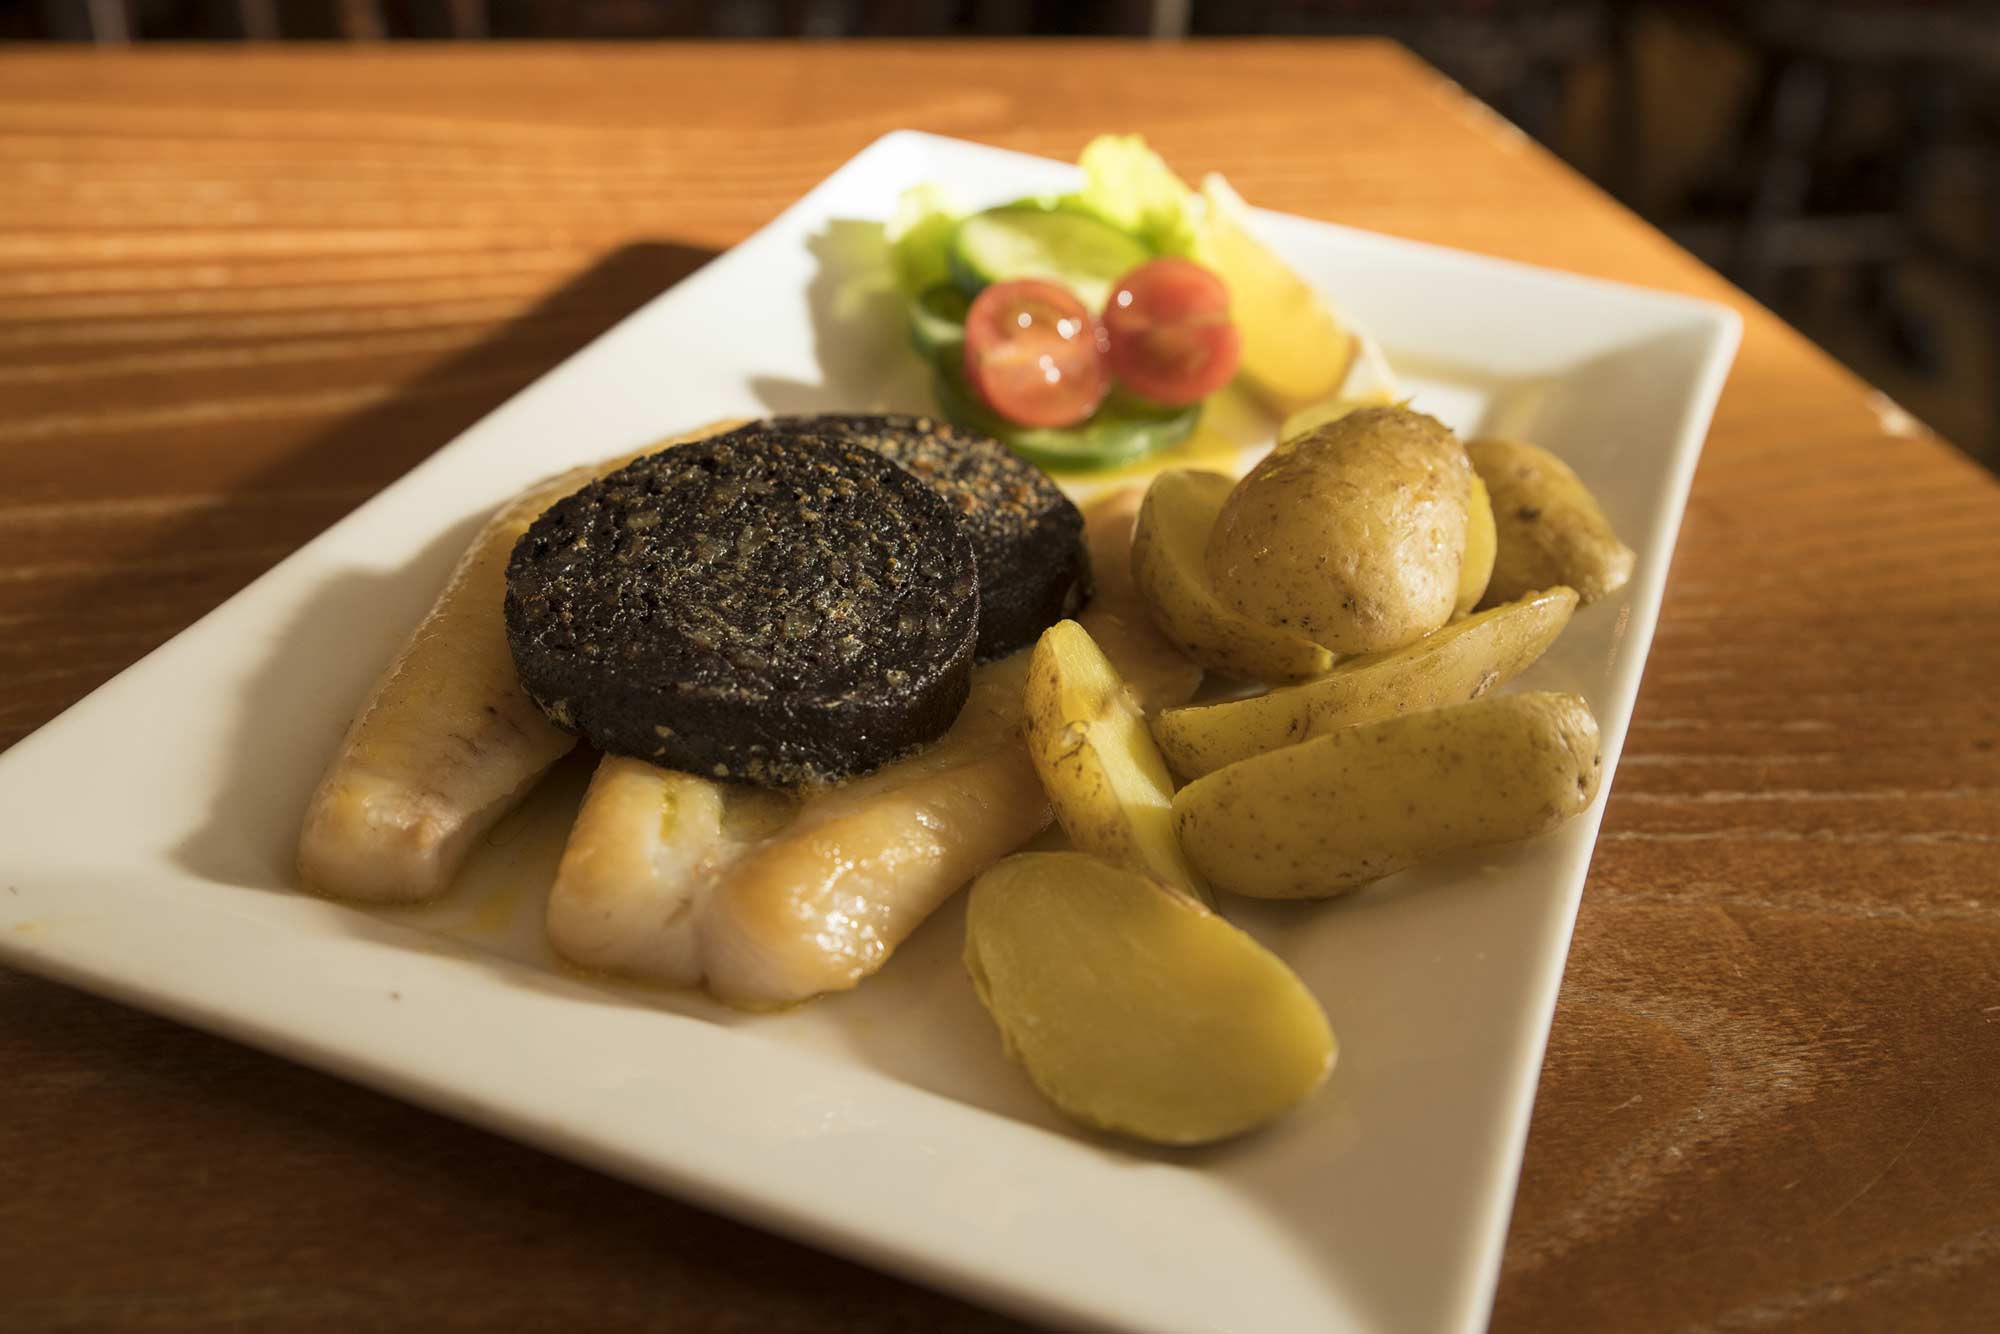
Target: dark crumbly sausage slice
pixel 772 606
pixel 1033 567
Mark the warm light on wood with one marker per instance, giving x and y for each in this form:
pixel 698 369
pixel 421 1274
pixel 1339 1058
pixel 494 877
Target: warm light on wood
pixel 243 289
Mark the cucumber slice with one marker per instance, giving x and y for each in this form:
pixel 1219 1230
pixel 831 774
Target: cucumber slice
pixel 1027 241
pixel 937 323
pixel 1122 430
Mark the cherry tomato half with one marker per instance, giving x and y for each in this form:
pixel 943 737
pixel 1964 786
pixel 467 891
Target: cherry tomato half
pixel 1171 337
pixel 1035 353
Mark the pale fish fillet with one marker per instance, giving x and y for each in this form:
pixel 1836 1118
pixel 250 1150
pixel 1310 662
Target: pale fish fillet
pixel 647 848
pixel 447 742
pixel 825 902
pixel 675 878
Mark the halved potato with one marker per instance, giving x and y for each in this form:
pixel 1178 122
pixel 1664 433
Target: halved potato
pixel 1110 789
pixel 1170 563
pixel 1135 1009
pixel 1159 675
pixel 1464 660
pixel 1331 814
pixel 1481 541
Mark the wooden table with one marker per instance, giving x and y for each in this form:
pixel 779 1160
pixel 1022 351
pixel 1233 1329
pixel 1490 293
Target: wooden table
pixel 240 291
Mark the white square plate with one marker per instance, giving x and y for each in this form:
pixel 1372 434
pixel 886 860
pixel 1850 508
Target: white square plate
pixel 148 837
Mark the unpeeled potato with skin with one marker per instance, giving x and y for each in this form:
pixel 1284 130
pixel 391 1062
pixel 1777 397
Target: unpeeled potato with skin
pixel 1090 746
pixel 1351 536
pixel 1135 1009
pixel 1549 528
pixel 1170 565
pixel 1158 675
pixel 1329 815
pixel 1465 660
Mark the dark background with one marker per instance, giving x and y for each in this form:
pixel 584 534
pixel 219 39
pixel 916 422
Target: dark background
pixel 1839 160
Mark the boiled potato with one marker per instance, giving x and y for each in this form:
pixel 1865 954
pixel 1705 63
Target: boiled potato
pixel 1333 813
pixel 1104 776
pixel 1172 574
pixel 1480 543
pixel 1350 536
pixel 1463 661
pixel 1158 675
pixel 1135 1009
pixel 1549 528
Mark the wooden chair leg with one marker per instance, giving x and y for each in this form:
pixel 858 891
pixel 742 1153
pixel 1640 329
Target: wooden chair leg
pixel 468 18
pixel 361 20
pixel 1991 291
pixel 102 21
pixel 259 20
pixel 1625 177
pixel 1784 169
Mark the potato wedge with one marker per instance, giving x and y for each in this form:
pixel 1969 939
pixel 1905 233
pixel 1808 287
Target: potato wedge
pixel 1104 776
pixel 1159 675
pixel 1476 570
pixel 1331 814
pixel 1549 528
pixel 1171 568
pixel 1352 535
pixel 1463 661
pixel 1135 1009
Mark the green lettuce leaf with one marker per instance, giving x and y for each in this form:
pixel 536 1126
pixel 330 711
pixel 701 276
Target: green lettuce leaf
pixel 919 233
pixel 1131 187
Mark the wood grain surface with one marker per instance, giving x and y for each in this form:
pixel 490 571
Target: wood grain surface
pixel 241 291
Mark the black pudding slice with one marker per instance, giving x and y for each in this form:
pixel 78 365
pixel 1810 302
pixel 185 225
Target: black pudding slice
pixel 773 606
pixel 1033 567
